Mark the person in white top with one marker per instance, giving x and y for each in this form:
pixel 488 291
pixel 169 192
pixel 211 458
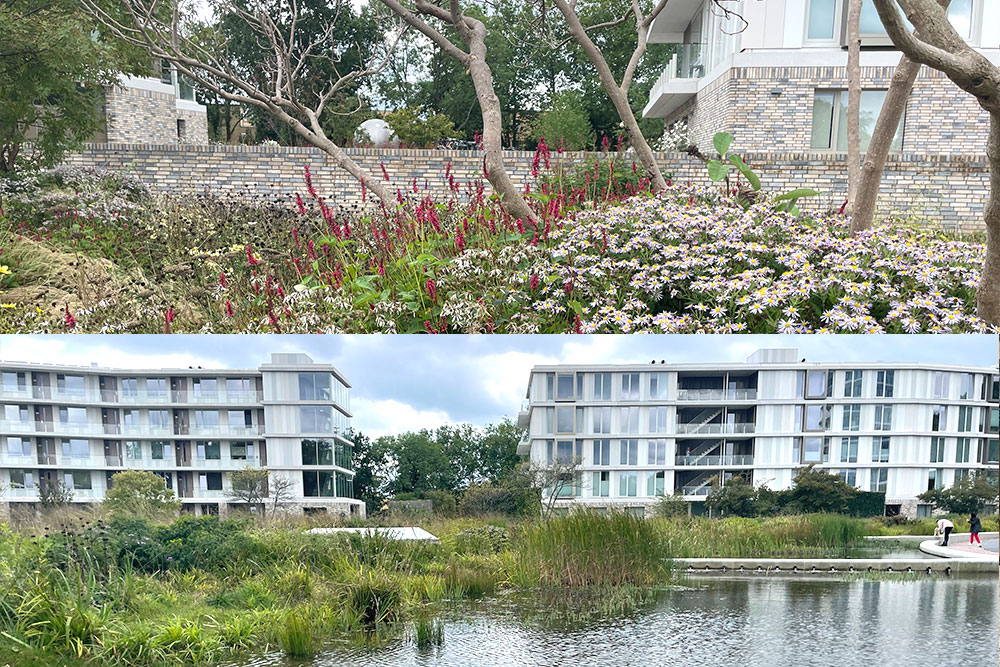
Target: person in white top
pixel 944 527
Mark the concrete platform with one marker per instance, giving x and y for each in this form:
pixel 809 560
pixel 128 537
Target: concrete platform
pixel 837 565
pixel 959 548
pixel 406 533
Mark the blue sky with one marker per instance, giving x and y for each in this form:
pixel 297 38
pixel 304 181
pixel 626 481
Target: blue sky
pixel 411 382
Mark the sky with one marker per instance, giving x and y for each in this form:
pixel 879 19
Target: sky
pixel 405 383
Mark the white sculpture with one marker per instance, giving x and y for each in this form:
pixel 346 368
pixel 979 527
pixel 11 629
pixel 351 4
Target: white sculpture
pixel 377 132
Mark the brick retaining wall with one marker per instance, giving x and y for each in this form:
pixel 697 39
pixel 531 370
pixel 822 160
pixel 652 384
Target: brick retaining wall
pixel 951 190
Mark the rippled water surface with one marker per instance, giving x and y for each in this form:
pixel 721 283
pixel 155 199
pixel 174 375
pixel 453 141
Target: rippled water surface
pixel 749 622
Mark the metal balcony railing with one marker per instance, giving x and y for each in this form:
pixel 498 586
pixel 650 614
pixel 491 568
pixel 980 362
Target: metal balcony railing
pixel 715 428
pixel 732 460
pixel 716 394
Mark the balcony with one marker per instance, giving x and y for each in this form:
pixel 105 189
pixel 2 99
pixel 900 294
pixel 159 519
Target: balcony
pixel 224 464
pixel 678 83
pixel 22 493
pixel 147 429
pixel 16 393
pixel 708 429
pixel 732 460
pixel 226 430
pixel 696 490
pixel 17 427
pixel 716 394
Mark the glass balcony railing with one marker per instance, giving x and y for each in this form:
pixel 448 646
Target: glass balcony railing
pixel 696 490
pixel 716 394
pixel 732 460
pixel 715 428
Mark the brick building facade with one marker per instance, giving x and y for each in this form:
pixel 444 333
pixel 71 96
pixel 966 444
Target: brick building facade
pixel 153 110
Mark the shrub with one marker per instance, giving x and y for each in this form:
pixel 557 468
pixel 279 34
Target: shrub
pixel 736 498
pixel 138 493
pixel 506 500
pixel 565 123
pixel 443 502
pixel 672 506
pixel 374 598
pixel 482 540
pixel 866 503
pixel 419 127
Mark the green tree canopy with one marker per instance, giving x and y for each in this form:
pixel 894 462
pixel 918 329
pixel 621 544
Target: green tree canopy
pixel 53 66
pixel 819 491
pixel 735 498
pixel 138 493
pixel 967 495
pixel 565 121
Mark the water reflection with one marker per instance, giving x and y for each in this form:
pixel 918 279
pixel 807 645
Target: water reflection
pixel 749 622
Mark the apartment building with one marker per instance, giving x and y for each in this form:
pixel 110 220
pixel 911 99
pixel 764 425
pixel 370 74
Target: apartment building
pixel 638 432
pixel 193 427
pixel 774 73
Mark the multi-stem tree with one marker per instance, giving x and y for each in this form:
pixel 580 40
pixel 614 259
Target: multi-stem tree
pixel 935 43
pixel 472 31
pixel 302 76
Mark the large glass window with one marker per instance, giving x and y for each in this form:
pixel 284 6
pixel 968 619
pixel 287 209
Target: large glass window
pixel 941 384
pixel 133 450
pixel 849 450
pixel 76 448
pixel 850 476
pixel 130 417
pixel 630 386
pixel 852 384
pixel 602 484
pixel 818 384
pixel 967 386
pixel 315 419
pixel 602 386
pixel 314 387
pixel 206 418
pixel 18 446
pixel 78 479
pixel 816 418
pixel 883 417
pixel 812 450
pixel 210 481
pixel 939 418
pixel 70 384
pixel 130 387
pixel 236 386
pixel 602 452
pixel 159 419
pixel 658 419
pixel 22 479
pixel 655 483
pixel 602 420
pixel 159 449
pixel 565 420
pixel 318 452
pixel 878 480
pixel 210 450
pixel 657 386
pixel 880 449
pixel 156 387
pixel 629 453
pixel 565 386
pixel 852 418
pixel 829 121
pixel 13 381
pixel 72 415
pixel 965 419
pixel 962 447
pixel 16 413
pixel 627 483
pixel 656 452
pixel 937 450
pixel 884 383
pixel 241 451
pixel 628 420
pixel 205 387
pixel 318 483
pixel 822 19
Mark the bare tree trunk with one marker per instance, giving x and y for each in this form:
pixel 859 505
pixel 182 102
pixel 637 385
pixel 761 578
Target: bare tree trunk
pixel 618 94
pixel 936 43
pixel 989 285
pixel 866 195
pixel 853 103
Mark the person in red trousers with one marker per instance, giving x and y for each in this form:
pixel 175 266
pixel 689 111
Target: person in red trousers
pixel 975 525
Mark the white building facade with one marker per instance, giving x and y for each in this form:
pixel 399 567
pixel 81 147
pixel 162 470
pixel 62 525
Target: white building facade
pixel 643 431
pixel 78 426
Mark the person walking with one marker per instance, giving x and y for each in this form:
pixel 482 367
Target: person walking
pixel 975 525
pixel 944 527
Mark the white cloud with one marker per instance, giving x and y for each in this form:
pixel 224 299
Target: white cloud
pixel 381 417
pixel 504 376
pixel 68 350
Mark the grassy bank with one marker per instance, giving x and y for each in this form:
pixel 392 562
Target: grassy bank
pixel 93 252
pixel 197 591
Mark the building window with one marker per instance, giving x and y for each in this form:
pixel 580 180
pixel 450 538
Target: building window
pixel 849 450
pixel 130 417
pixel 159 419
pixel 601 420
pixel 566 386
pixel 812 417
pixel 76 448
pixel 655 483
pixel 657 386
pixel 565 422
pixel 130 387
pixel 22 479
pixel 966 386
pixel 602 386
pixel 823 20
pixel 627 483
pixel 78 479
pixel 852 384
pixel 850 476
pixel 237 386
pixel 939 418
pixel 829 120
pixel 818 384
pixel 629 453
pixel 156 387
pixel 630 386
pixel 314 387
pixel 210 481
pixel 133 450
pixel 166 72
pixel 206 418
pixel 628 420
pixel 991 451
pixel 656 451
pixel 18 446
pixel 878 481
pixel 564 451
pixel 241 451
pixel 317 452
pixel 937 450
pixel 852 418
pixel 941 384
pixel 808 450
pixel 964 419
pixel 883 383
pixel 205 387
pixel 70 384
pixel 550 382
pixel 883 417
pixel 934 479
pixel 73 415
pixel 880 449
pixel 14 382
pixel 962 447
pixel 159 449
pixel 315 419
pixel 602 452
pixel 210 450
pixel 16 413
pixel 602 484
pixel 658 419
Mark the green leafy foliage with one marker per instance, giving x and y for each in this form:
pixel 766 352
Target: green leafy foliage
pixel 139 493
pixel 419 127
pixel 967 495
pixel 565 123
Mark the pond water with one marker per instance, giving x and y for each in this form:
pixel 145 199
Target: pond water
pixel 745 621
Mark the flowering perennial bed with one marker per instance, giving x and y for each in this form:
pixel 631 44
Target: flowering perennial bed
pixel 605 256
